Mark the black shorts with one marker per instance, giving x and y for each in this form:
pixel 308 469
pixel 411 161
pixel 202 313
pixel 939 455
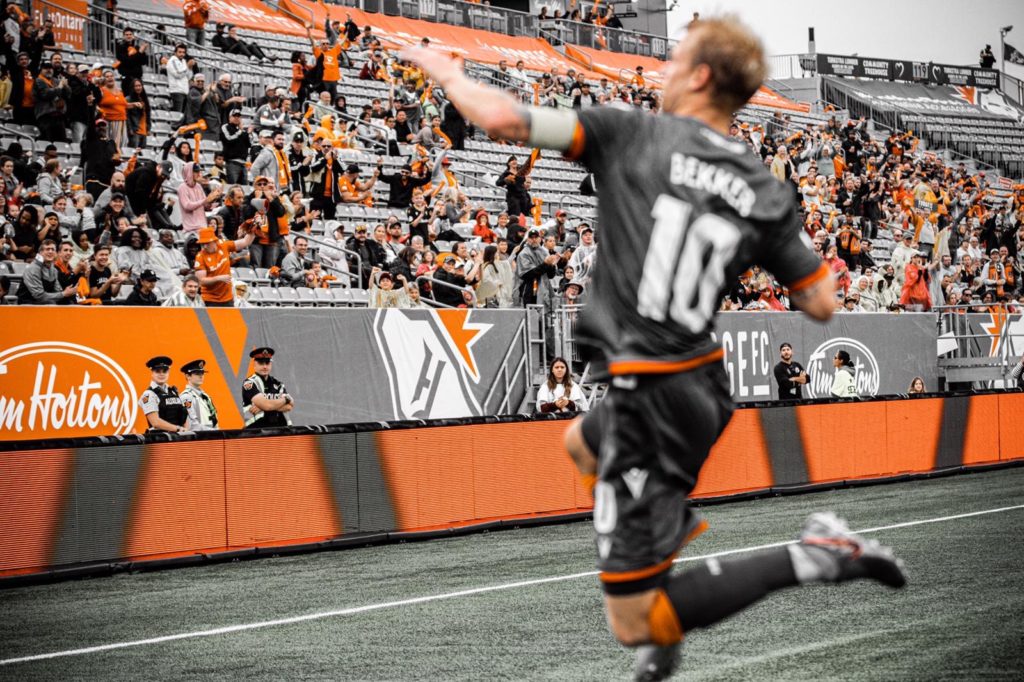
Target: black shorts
pixel 651 434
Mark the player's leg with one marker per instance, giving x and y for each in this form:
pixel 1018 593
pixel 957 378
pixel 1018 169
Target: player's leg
pixel 581 452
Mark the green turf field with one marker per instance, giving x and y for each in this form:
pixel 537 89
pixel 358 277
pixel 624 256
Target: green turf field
pixel 961 617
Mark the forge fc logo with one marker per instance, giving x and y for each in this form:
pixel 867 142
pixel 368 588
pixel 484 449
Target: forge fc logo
pixel 430 362
pixel 821 370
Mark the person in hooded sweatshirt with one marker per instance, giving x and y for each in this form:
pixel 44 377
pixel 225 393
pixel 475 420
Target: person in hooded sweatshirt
pixel 843 384
pixel 193 199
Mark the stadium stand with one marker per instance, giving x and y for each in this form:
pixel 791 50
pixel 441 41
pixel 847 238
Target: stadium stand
pixel 868 185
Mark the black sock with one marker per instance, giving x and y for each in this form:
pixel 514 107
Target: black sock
pixel 719 588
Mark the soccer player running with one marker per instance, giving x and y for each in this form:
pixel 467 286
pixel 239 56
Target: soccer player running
pixel 685 210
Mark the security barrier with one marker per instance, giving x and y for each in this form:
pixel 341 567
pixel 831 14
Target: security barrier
pixel 94 504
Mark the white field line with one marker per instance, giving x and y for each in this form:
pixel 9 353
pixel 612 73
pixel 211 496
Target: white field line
pixel 242 627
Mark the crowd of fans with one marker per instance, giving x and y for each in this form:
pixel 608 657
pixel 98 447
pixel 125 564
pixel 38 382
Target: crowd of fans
pixel 955 240
pixel 140 220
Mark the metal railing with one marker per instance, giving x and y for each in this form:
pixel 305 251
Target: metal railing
pixel 982 359
pixel 422 279
pixel 1012 87
pixel 21 135
pixel 791 66
pixel 357 276
pixel 101 31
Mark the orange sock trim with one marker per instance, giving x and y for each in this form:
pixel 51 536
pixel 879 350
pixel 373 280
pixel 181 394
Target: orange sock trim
pixel 663 621
pixel 589 481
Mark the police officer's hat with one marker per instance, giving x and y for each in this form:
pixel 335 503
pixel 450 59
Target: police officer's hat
pixel 159 362
pixel 262 353
pixel 194 367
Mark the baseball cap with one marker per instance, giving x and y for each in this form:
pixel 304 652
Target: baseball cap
pixel 353 168
pixel 235 112
pixel 446 161
pixel 534 231
pixel 560 212
pixel 148 276
pixel 449 259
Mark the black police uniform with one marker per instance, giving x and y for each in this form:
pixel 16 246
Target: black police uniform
pixel 164 400
pixel 270 388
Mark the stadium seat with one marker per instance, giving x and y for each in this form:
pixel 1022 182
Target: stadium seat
pixel 341 297
pixel 360 298
pixel 288 296
pixel 323 297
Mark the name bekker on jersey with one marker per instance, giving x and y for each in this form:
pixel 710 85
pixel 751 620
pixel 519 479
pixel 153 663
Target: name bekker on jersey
pixel 684 211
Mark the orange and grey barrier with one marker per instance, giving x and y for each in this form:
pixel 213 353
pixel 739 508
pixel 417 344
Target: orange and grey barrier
pixel 99 504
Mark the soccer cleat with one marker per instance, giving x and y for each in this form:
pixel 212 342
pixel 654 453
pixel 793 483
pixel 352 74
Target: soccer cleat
pixel 840 555
pixel 655 662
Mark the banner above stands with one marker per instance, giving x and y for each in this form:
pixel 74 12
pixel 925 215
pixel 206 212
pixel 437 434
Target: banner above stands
pixel 247 14
pixel 903 70
pixel 478 46
pixel 620 67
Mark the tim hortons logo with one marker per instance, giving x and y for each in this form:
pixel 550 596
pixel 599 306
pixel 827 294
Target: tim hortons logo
pixel 52 386
pixel 821 371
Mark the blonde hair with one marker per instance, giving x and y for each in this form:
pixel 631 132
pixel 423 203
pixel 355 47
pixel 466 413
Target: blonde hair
pixel 735 56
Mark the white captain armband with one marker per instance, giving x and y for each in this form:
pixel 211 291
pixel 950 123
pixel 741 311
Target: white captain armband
pixel 551 128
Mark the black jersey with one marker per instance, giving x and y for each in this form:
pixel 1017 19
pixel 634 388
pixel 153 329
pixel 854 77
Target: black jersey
pixel 684 211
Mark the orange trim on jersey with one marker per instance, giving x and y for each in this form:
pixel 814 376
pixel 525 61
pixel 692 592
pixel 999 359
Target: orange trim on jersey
pixel 638 574
pixel 821 273
pixel 579 138
pixel 664 621
pixel 698 530
pixel 661 366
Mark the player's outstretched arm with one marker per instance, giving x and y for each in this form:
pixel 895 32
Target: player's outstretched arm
pixel 487 107
pixel 817 300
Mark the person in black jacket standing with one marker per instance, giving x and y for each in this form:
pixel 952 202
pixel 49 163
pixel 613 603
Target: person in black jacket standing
pixel 235 142
pixel 517 198
pixel 299 162
pixel 401 184
pixel 100 158
pixel 82 102
pixel 324 173
pixel 131 56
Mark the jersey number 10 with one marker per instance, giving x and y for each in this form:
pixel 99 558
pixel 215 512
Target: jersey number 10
pixel 685 265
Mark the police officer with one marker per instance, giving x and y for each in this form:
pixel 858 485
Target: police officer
pixel 265 402
pixel 202 414
pixel 160 403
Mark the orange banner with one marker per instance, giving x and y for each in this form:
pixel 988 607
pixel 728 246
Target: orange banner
pixel 247 14
pixel 621 67
pixel 72 386
pixel 479 46
pixel 68 17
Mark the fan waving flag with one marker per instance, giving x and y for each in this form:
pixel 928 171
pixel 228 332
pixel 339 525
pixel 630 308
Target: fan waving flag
pixel 1012 54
